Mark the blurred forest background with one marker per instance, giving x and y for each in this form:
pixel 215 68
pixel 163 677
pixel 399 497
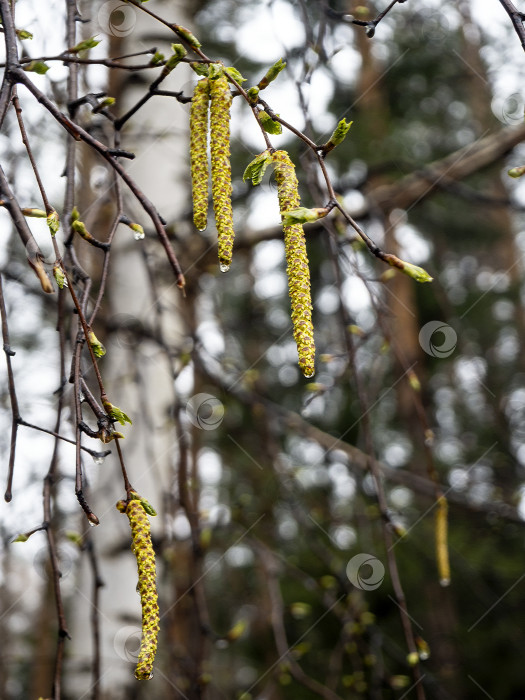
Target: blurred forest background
pixel 263 480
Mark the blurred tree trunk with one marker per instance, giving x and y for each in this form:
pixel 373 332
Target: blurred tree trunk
pixel 137 306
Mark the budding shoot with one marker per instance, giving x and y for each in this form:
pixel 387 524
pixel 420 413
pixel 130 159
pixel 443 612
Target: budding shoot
pixel 198 153
pixel 147 587
pixel 297 263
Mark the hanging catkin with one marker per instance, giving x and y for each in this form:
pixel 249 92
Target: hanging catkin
pixel 442 541
pixel 199 153
pixel 147 587
pixel 221 100
pixel 297 263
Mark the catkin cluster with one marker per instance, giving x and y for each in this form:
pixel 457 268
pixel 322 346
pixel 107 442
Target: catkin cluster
pixel 221 179
pixel 199 153
pixel 297 263
pixel 215 91
pixel 143 550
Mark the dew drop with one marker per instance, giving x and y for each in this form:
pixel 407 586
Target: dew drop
pixel 81 397
pixel 424 655
pixel 223 267
pixel 139 235
pixel 98 459
pixel 202 229
pixel 309 374
pixel 444 582
pixel 92 524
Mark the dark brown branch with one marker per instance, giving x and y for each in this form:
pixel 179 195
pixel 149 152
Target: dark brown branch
pixel 517 18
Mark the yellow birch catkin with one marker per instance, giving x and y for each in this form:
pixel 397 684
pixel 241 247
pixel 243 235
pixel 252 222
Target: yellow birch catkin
pixel 147 587
pixel 221 184
pixel 296 263
pixel 443 563
pixel 199 153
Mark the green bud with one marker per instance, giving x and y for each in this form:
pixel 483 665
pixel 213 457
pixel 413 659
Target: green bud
pixel 116 413
pixel 413 658
pixel 106 102
pixel 302 215
pixel 85 45
pixel 75 216
pixel 300 610
pixel 256 169
pixel 271 74
pixel 517 172
pixel 60 277
pixel 253 94
pixel 21 538
pixel 417 273
pixel 37 67
pixel 187 35
pixel 23 34
pixel 98 349
pixel 139 231
pixel 215 70
pixel 269 125
pixel 236 631
pixel 53 222
pixel 35 213
pixel 338 136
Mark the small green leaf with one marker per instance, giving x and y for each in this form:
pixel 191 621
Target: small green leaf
pixel 271 74
pixel 256 169
pixel 179 51
pixel 156 58
pixel 23 34
pixel 53 222
pixel 116 413
pixel 302 215
pixel 150 510
pixel 98 349
pixel 234 73
pixel 215 70
pixel 85 45
pixel 200 68
pixel 75 216
pixel 37 67
pixel 269 125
